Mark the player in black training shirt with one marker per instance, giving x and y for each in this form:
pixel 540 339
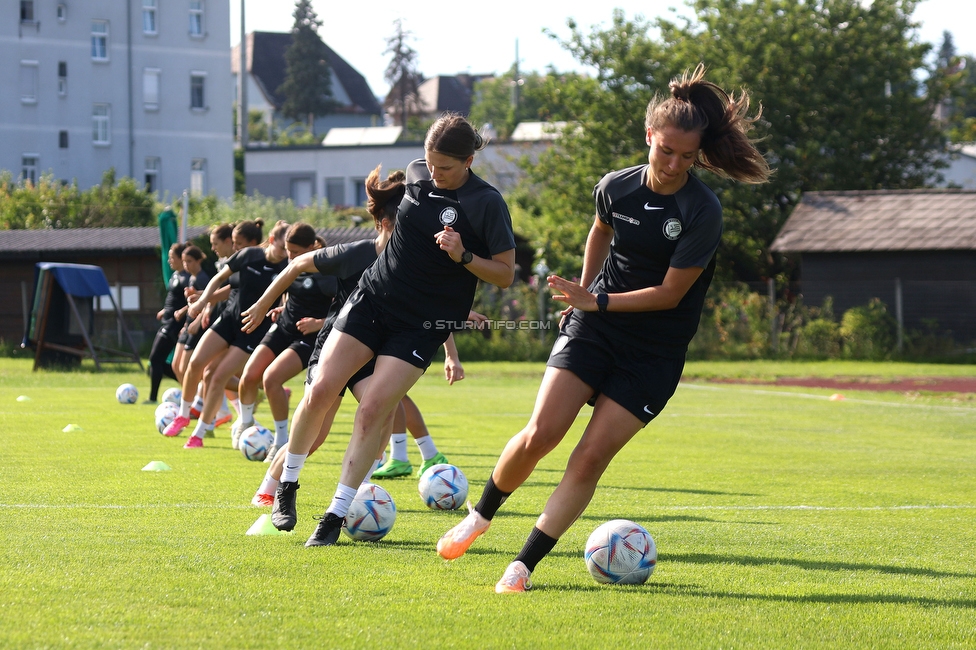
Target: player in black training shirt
pixel 647 263
pixel 257 265
pixel 346 264
pixel 451 231
pixel 285 349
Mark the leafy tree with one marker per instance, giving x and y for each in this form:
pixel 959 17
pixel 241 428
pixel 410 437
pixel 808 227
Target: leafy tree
pixel 955 77
pixel 842 110
pixel 496 104
pixel 403 99
pixel 49 204
pixel 308 81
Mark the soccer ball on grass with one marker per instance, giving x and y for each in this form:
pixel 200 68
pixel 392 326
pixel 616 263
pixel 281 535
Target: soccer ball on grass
pixel 620 552
pixel 255 442
pixel 165 413
pixel 443 487
pixel 127 394
pixel 371 514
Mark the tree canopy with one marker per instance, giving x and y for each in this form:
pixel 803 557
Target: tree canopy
pixel 403 99
pixel 308 79
pixel 838 83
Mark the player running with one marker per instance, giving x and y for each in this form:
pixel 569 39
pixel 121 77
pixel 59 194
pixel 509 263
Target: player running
pixel 285 349
pixel 346 263
pixel 257 265
pixel 648 261
pixel 450 232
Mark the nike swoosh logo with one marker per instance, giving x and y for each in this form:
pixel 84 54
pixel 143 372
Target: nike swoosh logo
pixel 268 268
pixel 648 411
pixel 442 198
pixel 648 206
pixel 417 355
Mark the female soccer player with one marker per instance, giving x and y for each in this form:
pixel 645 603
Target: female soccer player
pixel 648 261
pixel 169 327
pixel 285 349
pixel 451 231
pixel 346 263
pixel 257 265
pixel 222 243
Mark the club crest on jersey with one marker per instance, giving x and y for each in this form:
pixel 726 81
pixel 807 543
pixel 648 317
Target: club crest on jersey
pixel 307 283
pixel 448 216
pixel 623 217
pixel 672 229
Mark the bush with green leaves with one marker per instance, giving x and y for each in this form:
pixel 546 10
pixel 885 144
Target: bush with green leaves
pixel 52 204
pixel 868 332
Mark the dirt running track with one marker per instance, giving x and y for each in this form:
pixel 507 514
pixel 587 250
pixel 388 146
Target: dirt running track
pixel 928 384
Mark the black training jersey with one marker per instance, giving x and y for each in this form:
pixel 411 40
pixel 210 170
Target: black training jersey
pixel 652 232
pixel 346 263
pixel 309 296
pixel 256 274
pixel 415 281
pixel 175 294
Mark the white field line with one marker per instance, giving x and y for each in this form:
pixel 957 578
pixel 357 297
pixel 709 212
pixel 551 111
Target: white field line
pixel 150 506
pixel 787 393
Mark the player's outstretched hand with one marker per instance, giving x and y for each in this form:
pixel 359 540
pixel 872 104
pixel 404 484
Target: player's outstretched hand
pixel 252 317
pixel 572 294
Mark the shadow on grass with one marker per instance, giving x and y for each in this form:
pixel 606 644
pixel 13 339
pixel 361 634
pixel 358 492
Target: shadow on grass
pixel 811 565
pixel 829 599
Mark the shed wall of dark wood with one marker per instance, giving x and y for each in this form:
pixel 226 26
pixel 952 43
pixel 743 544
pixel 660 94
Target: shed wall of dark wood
pixel 140 270
pixel 937 286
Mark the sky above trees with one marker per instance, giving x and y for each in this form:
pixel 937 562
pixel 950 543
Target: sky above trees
pixel 452 39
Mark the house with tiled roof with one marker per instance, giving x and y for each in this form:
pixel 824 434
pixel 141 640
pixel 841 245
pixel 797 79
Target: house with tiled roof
pixel 913 249
pixel 356 105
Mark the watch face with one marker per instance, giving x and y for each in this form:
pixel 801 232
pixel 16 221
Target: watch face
pixel 466 257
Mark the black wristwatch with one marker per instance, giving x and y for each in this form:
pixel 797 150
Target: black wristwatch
pixel 602 300
pixel 466 257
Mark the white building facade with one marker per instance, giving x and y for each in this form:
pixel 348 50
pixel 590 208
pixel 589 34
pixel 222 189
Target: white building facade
pixel 140 86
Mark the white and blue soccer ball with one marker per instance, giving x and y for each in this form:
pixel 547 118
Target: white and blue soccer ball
pixel 173 395
pixel 620 552
pixel 371 514
pixel 255 442
pixel 443 487
pixel 127 394
pixel 165 413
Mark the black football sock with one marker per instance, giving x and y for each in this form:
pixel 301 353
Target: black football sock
pixel 537 546
pixel 491 500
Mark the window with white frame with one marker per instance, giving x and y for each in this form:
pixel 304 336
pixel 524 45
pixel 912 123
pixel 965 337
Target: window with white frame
pixel 101 124
pixel 149 17
pixel 198 176
pixel 62 13
pixel 196 18
pixel 126 297
pixel 99 40
pixel 62 78
pixel 197 83
pixel 26 11
pixel 150 89
pixel 28 168
pixel 152 174
pixel 28 82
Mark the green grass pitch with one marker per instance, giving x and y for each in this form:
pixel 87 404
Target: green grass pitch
pixel 782 520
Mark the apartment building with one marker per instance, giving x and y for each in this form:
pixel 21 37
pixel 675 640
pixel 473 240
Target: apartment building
pixel 141 86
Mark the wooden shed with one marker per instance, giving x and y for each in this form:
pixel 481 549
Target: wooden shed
pixel 913 249
pixel 128 256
